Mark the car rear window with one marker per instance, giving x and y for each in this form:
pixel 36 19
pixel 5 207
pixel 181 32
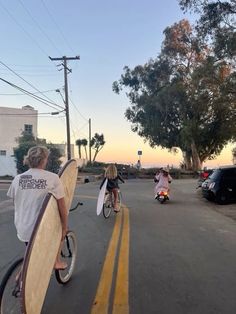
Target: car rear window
pixel 215 174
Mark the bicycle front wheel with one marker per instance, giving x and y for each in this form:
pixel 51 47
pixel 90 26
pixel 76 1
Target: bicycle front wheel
pixel 10 289
pixel 68 255
pixel 106 210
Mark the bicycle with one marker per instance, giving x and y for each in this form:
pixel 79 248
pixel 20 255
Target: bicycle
pixel 108 203
pixel 10 287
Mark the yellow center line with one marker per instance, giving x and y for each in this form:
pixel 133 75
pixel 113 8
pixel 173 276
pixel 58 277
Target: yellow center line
pixel 121 296
pixel 101 302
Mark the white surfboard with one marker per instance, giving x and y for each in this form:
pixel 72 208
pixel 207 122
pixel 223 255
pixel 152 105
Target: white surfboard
pixel 101 196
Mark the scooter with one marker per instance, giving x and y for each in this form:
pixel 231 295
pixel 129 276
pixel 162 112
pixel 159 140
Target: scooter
pixel 162 196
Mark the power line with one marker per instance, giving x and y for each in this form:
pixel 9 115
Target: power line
pixel 78 110
pixel 38 25
pixel 23 94
pixel 30 65
pixel 76 107
pixel 30 114
pixel 82 127
pixel 31 75
pixel 24 30
pixel 57 26
pixel 40 99
pixel 50 101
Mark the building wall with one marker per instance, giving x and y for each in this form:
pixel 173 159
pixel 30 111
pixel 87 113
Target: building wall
pixel 12 124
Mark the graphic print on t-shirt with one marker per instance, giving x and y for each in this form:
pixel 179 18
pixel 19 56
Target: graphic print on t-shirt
pixel 26 182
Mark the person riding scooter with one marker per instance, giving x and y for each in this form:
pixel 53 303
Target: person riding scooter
pixel 162 179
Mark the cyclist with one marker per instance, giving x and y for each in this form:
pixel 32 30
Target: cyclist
pixel 28 191
pixel 113 178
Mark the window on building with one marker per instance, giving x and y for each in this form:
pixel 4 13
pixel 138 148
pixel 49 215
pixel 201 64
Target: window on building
pixel 28 128
pixel 3 152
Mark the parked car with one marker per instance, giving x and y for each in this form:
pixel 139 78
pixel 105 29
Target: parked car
pixel 221 185
pixel 203 175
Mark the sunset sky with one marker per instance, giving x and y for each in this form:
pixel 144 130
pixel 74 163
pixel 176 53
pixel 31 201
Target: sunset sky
pixel 107 35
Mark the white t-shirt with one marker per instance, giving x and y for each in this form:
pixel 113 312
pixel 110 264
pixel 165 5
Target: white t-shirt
pixel 28 191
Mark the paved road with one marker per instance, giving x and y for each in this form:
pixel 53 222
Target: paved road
pixel 175 258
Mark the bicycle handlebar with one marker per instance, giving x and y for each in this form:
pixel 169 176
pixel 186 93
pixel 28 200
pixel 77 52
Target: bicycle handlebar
pixel 77 205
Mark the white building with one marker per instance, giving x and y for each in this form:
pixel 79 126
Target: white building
pixel 14 121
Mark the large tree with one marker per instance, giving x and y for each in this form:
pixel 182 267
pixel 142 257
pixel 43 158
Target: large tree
pixel 178 99
pixel 217 20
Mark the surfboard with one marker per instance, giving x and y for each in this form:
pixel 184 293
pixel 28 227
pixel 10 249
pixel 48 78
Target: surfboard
pixel 44 244
pixel 101 196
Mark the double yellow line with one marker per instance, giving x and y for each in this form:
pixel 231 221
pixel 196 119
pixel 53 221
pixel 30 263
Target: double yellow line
pixel 120 304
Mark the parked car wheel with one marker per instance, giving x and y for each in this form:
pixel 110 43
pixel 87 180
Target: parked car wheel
pixel 222 197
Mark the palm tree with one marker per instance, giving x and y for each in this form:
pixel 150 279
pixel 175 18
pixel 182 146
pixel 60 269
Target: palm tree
pixel 84 143
pixel 97 142
pixel 79 144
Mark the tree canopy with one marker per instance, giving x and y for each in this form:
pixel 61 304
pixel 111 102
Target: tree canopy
pixel 184 98
pixel 217 20
pixel 25 142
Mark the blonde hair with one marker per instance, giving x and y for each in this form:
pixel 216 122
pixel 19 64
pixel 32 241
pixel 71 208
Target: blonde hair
pixel 111 172
pixel 35 156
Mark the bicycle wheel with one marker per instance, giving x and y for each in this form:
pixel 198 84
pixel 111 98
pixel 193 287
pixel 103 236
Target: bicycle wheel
pixel 10 298
pixel 68 255
pixel 107 205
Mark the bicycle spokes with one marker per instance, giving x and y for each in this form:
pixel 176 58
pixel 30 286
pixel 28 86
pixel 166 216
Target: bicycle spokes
pixel 10 289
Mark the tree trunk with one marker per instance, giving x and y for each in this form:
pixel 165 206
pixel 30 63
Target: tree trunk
pixel 86 154
pixel 197 165
pixel 95 155
pixel 79 149
pixel 187 161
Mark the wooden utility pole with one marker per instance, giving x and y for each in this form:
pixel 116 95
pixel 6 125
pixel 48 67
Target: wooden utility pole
pixel 90 141
pixel 66 71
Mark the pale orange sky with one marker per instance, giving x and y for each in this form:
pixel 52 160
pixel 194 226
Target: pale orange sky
pixel 122 145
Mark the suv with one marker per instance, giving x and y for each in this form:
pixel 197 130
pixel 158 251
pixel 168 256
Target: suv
pixel 221 185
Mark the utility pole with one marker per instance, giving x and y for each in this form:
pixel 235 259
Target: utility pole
pixel 90 141
pixel 66 71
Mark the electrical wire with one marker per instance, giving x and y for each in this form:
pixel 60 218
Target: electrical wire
pixel 29 114
pixel 38 25
pixel 32 75
pixel 24 30
pixel 50 101
pixel 77 109
pixel 46 91
pixel 57 26
pixel 40 99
